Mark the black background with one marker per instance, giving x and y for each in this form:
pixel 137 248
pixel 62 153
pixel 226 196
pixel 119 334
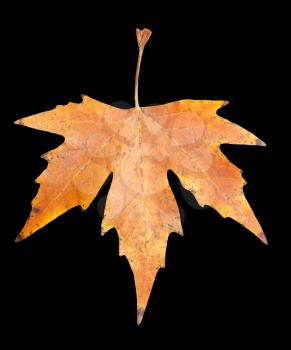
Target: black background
pixel 65 283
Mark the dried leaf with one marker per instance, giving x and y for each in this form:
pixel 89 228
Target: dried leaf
pixel 139 145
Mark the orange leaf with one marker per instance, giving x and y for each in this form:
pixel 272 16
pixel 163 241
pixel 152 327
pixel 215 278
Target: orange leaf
pixel 138 146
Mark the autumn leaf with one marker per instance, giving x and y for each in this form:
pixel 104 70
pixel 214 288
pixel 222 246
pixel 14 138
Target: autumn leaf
pixel 139 145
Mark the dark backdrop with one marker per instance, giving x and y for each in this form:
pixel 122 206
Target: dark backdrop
pixel 65 283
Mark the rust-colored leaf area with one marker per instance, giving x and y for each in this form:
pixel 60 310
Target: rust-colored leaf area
pixel 139 145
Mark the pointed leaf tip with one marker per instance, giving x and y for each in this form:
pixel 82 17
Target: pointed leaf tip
pixel 260 143
pixel 19 238
pixel 140 313
pixel 263 238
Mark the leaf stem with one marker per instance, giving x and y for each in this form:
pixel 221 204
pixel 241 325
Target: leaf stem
pixel 142 38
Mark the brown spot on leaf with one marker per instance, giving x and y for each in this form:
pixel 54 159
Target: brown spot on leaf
pixel 35 210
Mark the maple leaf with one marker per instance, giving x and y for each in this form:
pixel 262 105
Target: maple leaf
pixel 139 145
